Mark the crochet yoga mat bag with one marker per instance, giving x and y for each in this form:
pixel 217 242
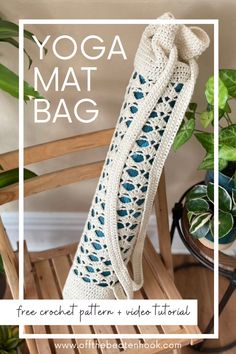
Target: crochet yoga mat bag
pixel 156 99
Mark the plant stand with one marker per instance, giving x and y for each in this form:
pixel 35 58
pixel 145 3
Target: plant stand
pixel 205 257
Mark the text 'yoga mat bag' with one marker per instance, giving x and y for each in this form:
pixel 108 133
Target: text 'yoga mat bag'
pixel 155 102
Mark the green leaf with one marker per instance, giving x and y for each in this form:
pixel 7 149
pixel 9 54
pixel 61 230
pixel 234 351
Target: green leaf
pixel 227 136
pixel 233 210
pixel 209 92
pixel 206 140
pixel 4 333
pixel 184 134
pixel 206 118
pixel 200 225
pixel 192 106
pixel 221 113
pixel 207 163
pixel 15 331
pixel 12 176
pixel 227 108
pixel 228 76
pixel 9 82
pixel 226 223
pixel 210 107
pixel 210 191
pixel 13 42
pixel 222 164
pixel 227 153
pixel 225 201
pixel 12 343
pixel 11 30
pixel 11 332
pixel 197 205
pixel 199 191
pixel 224 110
pixel 234 195
pixel 189 115
pixel 227 143
pixel 190 216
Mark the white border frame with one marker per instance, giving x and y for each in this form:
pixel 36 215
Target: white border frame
pixel 22 23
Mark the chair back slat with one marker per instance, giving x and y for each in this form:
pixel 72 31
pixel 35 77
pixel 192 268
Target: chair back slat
pixel 51 180
pixel 56 148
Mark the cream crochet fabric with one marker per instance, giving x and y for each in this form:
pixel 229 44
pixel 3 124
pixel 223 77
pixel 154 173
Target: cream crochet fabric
pixel 156 99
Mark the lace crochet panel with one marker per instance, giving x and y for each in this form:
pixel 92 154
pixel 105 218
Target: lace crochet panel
pixel 92 263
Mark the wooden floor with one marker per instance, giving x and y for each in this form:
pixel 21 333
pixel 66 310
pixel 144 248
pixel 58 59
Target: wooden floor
pixel 198 283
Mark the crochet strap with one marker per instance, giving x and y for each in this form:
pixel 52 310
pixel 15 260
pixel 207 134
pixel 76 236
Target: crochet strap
pixel 158 165
pixel 113 185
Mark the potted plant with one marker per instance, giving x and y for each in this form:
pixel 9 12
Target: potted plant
pixel 227 129
pixel 200 212
pixel 9 340
pixel 227 148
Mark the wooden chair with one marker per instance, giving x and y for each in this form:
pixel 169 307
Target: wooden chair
pixel 51 266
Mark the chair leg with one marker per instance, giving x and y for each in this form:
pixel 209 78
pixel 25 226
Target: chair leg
pixel 9 261
pixel 31 344
pixel 161 210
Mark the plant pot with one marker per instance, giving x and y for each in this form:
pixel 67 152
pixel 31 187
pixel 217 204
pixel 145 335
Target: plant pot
pixel 3 285
pixel 224 242
pixel 224 180
pixel 208 241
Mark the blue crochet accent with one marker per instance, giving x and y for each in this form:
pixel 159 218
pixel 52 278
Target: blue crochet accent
pixel 147 128
pixel 89 269
pixel 128 186
pixel 138 95
pixel 133 109
pixel 99 233
pixel 125 200
pixel 153 114
pixel 137 157
pixel 132 173
pixel 179 87
pixel 142 80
